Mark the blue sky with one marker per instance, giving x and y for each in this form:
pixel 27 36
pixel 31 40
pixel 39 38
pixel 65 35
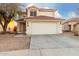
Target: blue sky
pixel 64 9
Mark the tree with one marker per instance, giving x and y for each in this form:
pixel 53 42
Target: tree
pixel 7 12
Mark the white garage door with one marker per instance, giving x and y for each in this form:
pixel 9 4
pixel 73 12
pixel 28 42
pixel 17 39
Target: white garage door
pixel 43 28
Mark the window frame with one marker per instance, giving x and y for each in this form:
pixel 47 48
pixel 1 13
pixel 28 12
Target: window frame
pixel 33 13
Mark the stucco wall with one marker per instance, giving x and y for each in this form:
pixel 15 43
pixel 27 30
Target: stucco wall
pixel 65 27
pixel 59 28
pixel 46 14
pixel 28 28
pixel 77 27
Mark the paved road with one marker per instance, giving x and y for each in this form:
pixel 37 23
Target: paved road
pixel 43 52
pixel 54 41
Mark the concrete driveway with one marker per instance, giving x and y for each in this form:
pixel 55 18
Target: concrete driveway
pixel 66 40
pixel 49 45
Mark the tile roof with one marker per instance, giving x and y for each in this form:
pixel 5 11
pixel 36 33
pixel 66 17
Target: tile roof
pixel 20 20
pixel 72 20
pixel 41 18
pixel 42 9
pixel 45 10
pixel 44 17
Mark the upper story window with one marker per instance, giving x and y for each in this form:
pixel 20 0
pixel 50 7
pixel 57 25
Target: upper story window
pixel 33 13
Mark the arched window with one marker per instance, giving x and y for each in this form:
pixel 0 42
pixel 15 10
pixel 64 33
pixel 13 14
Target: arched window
pixel 33 13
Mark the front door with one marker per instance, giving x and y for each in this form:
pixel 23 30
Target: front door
pixel 23 27
pixel 69 28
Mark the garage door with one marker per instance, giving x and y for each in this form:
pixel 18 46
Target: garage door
pixel 43 28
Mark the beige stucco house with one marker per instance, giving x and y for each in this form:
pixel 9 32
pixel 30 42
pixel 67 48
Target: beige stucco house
pixel 39 21
pixel 71 25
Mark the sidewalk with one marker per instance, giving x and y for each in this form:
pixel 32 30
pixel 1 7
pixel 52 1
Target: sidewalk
pixel 43 52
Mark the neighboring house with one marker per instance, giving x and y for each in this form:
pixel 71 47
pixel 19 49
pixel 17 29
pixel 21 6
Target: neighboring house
pixel 72 25
pixel 77 28
pixel 39 21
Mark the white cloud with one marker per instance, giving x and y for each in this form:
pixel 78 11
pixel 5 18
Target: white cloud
pixel 57 14
pixel 72 15
pixel 30 5
pixel 46 7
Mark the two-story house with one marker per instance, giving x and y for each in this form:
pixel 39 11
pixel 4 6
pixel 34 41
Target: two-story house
pixel 40 21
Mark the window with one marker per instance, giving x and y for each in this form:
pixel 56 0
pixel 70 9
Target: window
pixel 33 13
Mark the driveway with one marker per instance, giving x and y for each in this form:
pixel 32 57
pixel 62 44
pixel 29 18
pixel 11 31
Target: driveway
pixel 66 40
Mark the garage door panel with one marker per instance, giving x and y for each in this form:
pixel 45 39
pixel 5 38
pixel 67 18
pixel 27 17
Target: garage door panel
pixel 43 28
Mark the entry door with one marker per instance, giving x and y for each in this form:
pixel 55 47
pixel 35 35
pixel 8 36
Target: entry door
pixel 23 28
pixel 69 28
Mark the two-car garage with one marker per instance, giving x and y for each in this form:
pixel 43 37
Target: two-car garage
pixel 44 26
